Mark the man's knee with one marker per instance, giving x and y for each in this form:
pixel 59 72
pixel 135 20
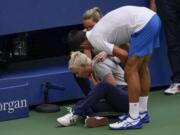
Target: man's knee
pixel 144 64
pixel 131 67
pixel 146 59
pixel 129 71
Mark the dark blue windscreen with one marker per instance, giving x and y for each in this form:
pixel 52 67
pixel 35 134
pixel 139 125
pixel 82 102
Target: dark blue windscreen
pixel 27 15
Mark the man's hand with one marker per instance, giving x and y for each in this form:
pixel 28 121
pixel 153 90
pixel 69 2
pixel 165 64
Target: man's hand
pixel 121 54
pixel 100 56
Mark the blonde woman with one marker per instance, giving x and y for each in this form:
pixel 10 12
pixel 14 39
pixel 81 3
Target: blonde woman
pixel 109 85
pixel 91 17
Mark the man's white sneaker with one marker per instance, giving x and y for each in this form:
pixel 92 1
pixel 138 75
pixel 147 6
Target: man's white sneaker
pixel 173 89
pixel 123 117
pixel 145 118
pixel 68 119
pixel 128 123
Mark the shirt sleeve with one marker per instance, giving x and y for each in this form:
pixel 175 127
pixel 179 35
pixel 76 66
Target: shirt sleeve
pixel 100 44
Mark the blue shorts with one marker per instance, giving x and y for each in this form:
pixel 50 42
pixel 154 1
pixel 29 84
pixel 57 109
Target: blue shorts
pixel 144 41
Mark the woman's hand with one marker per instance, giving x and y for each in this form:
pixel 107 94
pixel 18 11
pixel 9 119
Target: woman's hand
pixel 92 79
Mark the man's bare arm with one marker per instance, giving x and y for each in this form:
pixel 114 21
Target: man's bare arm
pixel 121 53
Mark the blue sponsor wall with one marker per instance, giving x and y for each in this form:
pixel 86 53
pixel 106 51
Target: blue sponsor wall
pixel 30 15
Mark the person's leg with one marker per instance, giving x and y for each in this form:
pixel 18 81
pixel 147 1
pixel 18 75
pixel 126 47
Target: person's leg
pixel 115 97
pixel 145 84
pixel 169 11
pixel 172 28
pixel 144 77
pixel 134 88
pixel 138 78
pixel 132 120
pixel 102 106
pixel 142 44
pixel 145 87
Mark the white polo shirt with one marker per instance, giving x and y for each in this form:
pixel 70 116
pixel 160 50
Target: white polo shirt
pixel 116 27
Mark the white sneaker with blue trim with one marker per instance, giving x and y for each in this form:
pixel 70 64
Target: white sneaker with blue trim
pixel 145 118
pixel 123 117
pixel 128 123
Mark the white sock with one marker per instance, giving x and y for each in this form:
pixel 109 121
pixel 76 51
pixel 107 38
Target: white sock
pixel 134 110
pixel 143 101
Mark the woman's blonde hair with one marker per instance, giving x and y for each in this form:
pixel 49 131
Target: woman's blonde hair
pixel 94 13
pixel 78 59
